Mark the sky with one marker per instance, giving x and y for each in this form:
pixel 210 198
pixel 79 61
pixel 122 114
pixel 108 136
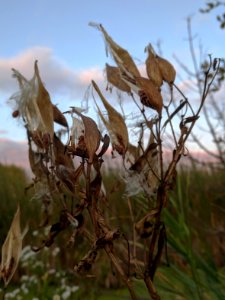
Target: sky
pixel 71 53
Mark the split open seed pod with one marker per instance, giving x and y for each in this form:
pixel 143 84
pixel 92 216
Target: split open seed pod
pixel 114 77
pixel 11 249
pixel 92 135
pixel 120 55
pixel 44 104
pixel 116 125
pixel 34 105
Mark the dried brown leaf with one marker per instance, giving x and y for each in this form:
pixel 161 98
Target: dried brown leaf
pixel 105 146
pixel 190 119
pixel 116 125
pixel 114 77
pixel 11 249
pixel 86 262
pixel 145 226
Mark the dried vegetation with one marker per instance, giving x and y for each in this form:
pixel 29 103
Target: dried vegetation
pixel 70 175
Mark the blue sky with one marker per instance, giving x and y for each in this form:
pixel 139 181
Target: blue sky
pixel 71 53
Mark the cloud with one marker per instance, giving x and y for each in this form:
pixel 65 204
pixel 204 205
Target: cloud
pixel 14 153
pixel 57 76
pixel 3 131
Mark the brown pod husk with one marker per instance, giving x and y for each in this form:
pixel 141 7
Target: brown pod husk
pixel 11 249
pixel 59 116
pixel 61 156
pixel 92 135
pixel 167 70
pixel 120 55
pixel 149 94
pixel 116 125
pixel 152 68
pixel 44 104
pixel 114 77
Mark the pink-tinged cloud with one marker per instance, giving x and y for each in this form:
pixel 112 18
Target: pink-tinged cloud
pixel 3 131
pixel 14 153
pixel 57 76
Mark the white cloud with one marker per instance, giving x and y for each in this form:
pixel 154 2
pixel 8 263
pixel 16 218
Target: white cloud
pixel 57 76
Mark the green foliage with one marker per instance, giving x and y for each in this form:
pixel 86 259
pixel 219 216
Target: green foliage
pixel 193 273
pixel 13 181
pixel 193 219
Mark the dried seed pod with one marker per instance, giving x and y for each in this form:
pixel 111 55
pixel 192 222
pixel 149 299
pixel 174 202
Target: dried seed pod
pixel 44 104
pixel 152 67
pixel 120 55
pixel 149 94
pixel 11 249
pixel 59 116
pixel 116 125
pixel 114 77
pixel 167 70
pixel 92 136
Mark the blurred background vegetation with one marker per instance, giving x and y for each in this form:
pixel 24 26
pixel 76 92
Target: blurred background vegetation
pixel 195 227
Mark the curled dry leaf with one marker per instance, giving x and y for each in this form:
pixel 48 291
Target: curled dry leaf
pixel 85 264
pixel 120 55
pixel 145 226
pixel 114 77
pixel 108 237
pixel 105 146
pixel 152 67
pixel 92 135
pixel 11 249
pixel 116 124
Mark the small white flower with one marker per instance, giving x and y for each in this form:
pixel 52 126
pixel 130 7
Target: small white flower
pixel 66 294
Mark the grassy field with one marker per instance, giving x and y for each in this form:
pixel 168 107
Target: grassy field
pixel 194 221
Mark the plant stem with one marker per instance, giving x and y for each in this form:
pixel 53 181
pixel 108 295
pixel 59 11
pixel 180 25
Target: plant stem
pixel 125 279
pixel 151 288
